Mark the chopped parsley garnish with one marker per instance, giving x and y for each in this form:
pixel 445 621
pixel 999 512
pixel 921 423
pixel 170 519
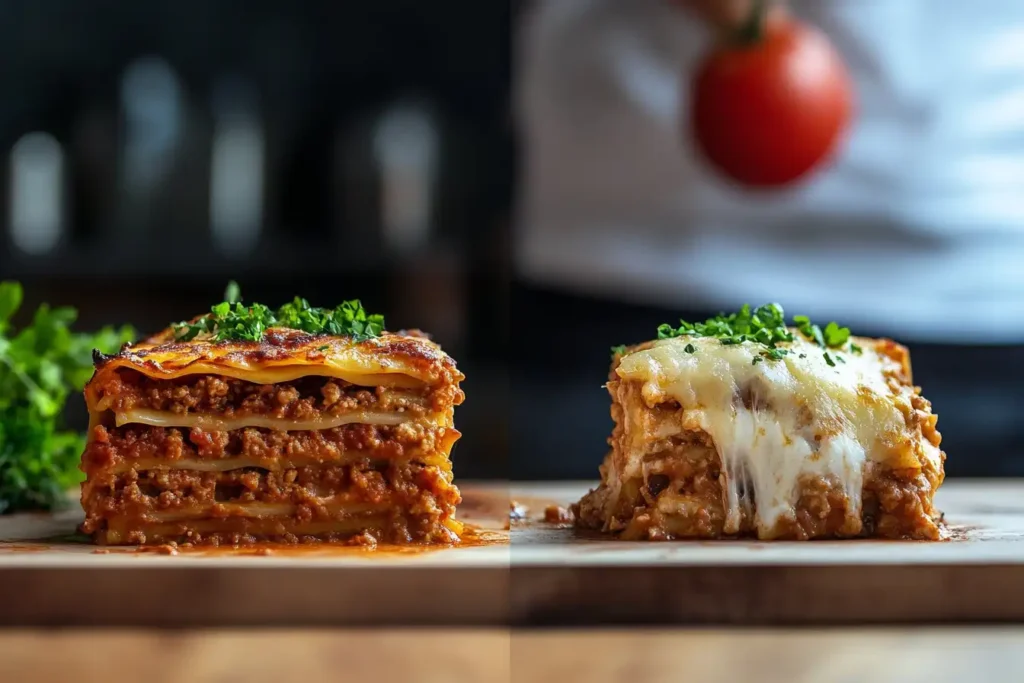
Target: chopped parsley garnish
pixel 618 350
pixel 809 329
pixel 765 325
pixel 42 364
pixel 836 336
pixel 233 320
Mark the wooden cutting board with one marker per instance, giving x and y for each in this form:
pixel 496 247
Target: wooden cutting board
pixel 562 578
pixel 50 577
pixel 536 574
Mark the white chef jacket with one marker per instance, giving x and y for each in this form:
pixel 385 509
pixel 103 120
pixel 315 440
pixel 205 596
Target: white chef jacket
pixel 915 229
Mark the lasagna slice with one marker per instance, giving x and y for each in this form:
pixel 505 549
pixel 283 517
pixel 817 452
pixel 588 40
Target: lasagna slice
pixel 293 437
pixel 773 435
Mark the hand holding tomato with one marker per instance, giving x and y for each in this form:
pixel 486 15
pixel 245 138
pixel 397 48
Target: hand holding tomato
pixel 771 103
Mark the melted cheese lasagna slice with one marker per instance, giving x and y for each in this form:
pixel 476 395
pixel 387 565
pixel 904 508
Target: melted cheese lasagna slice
pixel 714 439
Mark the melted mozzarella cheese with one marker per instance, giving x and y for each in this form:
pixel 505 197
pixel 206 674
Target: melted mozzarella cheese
pixel 776 421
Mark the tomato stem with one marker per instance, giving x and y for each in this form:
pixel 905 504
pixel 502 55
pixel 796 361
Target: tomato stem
pixel 752 30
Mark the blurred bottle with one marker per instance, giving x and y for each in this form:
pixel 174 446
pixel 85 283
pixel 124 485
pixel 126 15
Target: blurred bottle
pixel 236 169
pixel 406 149
pixel 164 168
pixel 37 194
pixel 387 166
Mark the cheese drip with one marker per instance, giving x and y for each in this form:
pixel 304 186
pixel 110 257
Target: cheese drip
pixel 776 421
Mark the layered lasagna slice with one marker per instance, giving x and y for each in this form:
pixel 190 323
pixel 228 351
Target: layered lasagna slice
pixel 769 435
pixel 295 437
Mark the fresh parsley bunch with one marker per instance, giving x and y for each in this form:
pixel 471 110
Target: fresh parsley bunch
pixel 233 320
pixel 39 366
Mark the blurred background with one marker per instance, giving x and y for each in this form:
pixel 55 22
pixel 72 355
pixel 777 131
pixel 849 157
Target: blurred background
pixel 153 151
pixel 514 178
pixel 913 229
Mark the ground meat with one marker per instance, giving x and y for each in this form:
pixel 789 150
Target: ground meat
pixel 418 500
pixel 365 539
pixel 556 514
pixel 323 477
pixel 893 505
pixel 397 527
pixel 302 399
pixel 366 483
pixel 114 447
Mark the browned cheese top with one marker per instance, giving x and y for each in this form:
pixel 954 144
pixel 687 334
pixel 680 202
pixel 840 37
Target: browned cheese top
pixel 283 355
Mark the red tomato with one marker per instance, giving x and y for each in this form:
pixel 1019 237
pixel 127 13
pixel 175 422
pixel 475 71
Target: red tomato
pixel 768 112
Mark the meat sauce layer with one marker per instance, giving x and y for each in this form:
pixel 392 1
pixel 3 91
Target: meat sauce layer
pixel 307 398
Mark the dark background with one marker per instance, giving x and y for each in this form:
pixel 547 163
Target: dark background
pixel 134 100
pixel 115 117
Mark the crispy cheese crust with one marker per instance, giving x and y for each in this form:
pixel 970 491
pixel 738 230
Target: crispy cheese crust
pixel 295 438
pixel 667 477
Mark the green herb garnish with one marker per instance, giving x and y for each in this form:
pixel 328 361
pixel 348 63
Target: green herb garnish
pixel 233 320
pixel 809 329
pixel 836 336
pixel 40 365
pixel 766 326
pixel 618 350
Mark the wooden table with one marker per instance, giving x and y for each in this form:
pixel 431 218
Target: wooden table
pixel 559 578
pixel 461 656
pixel 545 575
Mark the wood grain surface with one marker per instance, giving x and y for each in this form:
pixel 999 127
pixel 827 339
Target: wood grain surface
pixel 561 578
pixel 549 575
pixel 769 656
pixel 47 579
pixel 498 656
pixel 243 656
